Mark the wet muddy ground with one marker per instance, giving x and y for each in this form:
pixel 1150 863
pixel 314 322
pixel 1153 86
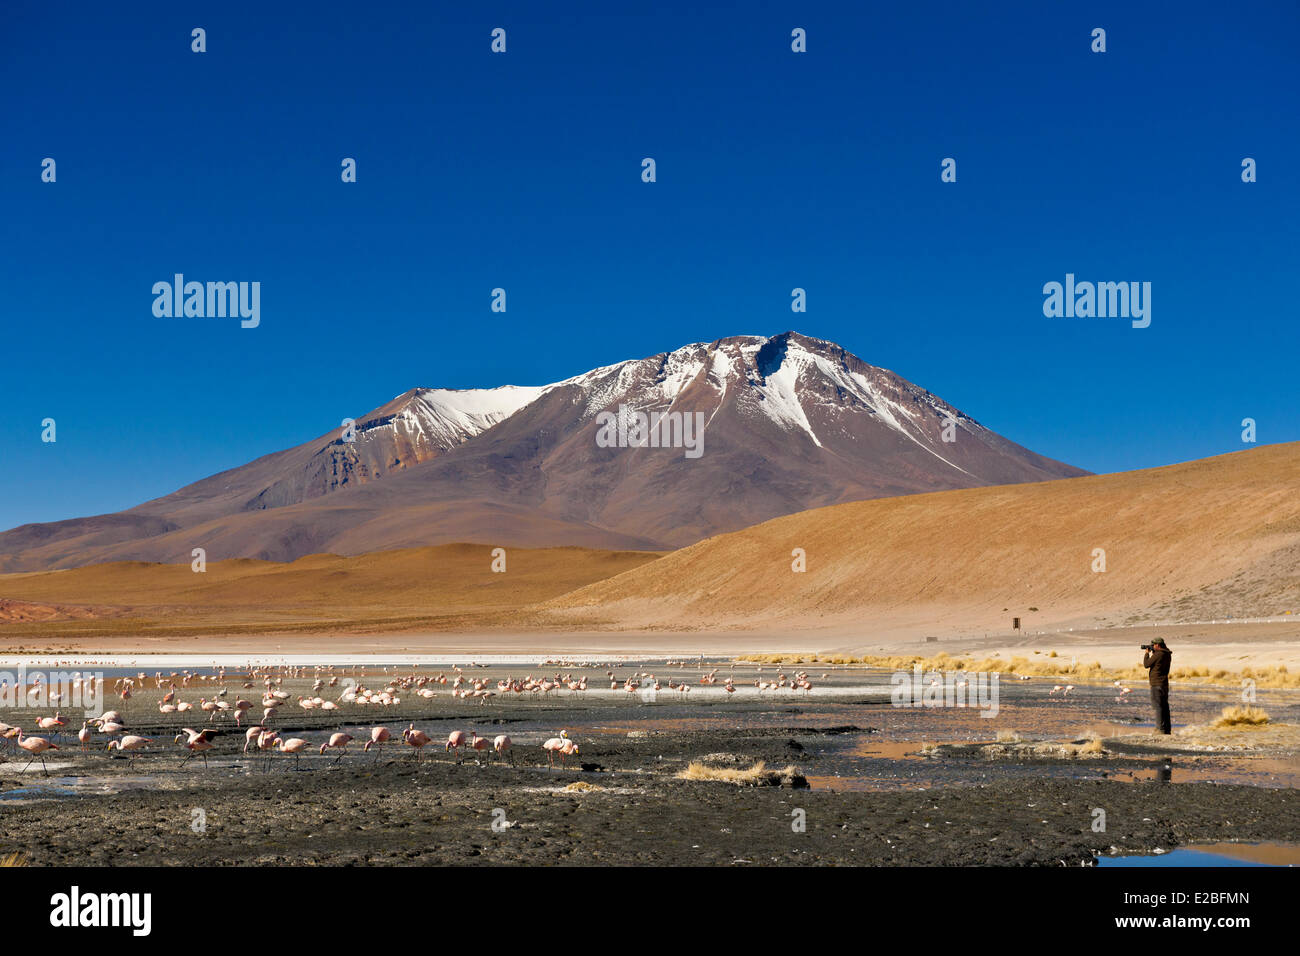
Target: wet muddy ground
pixel 888 785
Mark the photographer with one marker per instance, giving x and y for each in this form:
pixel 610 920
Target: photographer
pixel 1156 661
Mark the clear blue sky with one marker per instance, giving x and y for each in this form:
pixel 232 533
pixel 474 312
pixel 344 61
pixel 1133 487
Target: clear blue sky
pixel 522 170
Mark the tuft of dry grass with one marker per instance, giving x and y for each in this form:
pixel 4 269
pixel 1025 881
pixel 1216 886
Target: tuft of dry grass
pixel 13 859
pixel 1276 677
pixel 1240 716
pixel 702 771
pixel 581 786
pixel 753 776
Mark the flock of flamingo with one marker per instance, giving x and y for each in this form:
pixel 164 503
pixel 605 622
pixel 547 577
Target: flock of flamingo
pixel 262 738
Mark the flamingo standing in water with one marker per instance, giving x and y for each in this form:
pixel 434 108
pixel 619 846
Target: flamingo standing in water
pixel 197 742
pixel 267 740
pixel 479 744
pixel 251 735
pixel 295 746
pixel 455 740
pixel 54 723
pixel 83 735
pixel 417 739
pixel 378 736
pixel 132 743
pixel 36 746
pixel 561 745
pixel 339 742
pixel 502 746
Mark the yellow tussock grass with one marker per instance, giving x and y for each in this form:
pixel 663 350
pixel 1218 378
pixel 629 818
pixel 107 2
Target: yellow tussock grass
pixel 1241 716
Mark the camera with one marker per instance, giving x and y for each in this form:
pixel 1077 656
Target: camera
pixel 1146 647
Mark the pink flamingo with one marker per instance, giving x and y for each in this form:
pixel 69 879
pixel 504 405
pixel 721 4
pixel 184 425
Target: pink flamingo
pixel 455 740
pixel 132 743
pixel 378 737
pixel 54 723
pixel 561 745
pixel 295 746
pixel 197 742
pixel 339 742
pixel 502 746
pixel 479 744
pixel 267 740
pixel 83 735
pixel 251 735
pixel 36 746
pixel 416 738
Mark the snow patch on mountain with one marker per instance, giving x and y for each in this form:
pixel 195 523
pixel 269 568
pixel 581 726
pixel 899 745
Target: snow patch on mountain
pixel 446 417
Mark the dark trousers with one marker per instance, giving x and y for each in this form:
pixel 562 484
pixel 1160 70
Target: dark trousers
pixel 1160 704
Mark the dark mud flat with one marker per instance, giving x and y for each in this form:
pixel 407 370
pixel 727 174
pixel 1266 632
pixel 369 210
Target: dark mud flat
pixel 439 812
pixel 875 799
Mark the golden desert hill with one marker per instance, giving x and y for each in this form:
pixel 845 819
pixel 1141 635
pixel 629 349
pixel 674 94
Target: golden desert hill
pixel 1205 539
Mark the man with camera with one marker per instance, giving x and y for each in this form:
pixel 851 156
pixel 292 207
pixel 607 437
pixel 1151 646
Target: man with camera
pixel 1156 661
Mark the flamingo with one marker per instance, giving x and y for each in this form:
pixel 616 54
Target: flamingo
pixel 295 746
pixel 83 735
pixel 36 746
pixel 339 742
pixel 502 746
pixel 479 744
pixel 54 723
pixel 132 743
pixel 416 738
pixel 267 740
pixel 561 745
pixel 251 735
pixel 455 740
pixel 378 735
pixel 197 742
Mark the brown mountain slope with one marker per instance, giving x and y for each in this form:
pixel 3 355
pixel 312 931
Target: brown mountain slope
pixel 1215 537
pixel 451 586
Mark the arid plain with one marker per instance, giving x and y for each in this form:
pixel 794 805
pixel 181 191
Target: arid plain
pixel 1206 553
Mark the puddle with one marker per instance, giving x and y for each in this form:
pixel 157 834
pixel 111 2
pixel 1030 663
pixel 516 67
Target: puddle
pixel 60 787
pixel 28 794
pixel 1215 855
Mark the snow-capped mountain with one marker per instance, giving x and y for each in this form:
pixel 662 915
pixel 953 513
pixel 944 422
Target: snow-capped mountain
pixel 787 423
